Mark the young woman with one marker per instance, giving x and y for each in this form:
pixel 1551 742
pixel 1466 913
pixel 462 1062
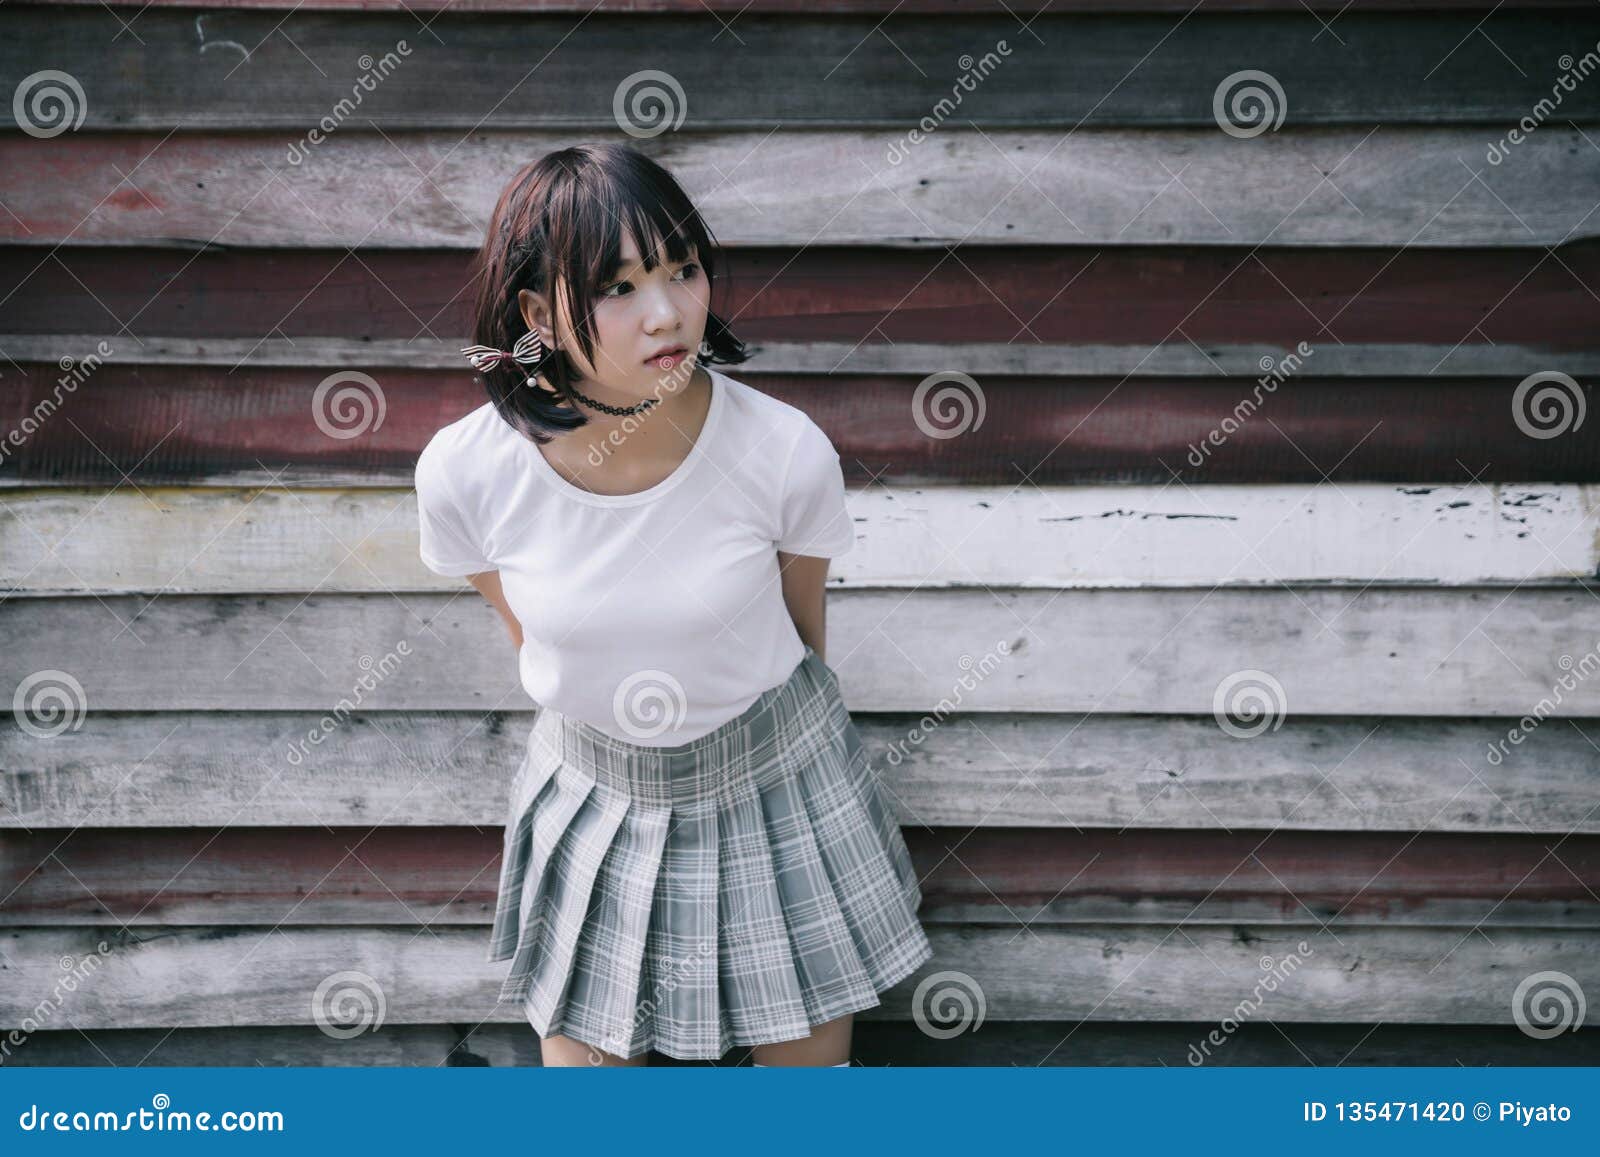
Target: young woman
pixel 697 853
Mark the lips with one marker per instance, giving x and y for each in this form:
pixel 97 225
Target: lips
pixel 668 352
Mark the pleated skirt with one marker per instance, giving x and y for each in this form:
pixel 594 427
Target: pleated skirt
pixel 735 890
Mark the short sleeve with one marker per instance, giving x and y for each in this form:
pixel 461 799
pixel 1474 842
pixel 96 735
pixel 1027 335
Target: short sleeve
pixel 814 518
pixel 446 545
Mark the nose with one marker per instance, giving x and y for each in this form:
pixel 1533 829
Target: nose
pixel 664 313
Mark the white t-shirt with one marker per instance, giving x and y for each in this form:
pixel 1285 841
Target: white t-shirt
pixel 654 616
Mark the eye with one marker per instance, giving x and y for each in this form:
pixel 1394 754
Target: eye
pixel 690 271
pixel 619 285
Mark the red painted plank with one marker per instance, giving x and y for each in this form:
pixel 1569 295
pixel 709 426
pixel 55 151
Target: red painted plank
pixel 319 875
pixel 1112 295
pixel 189 423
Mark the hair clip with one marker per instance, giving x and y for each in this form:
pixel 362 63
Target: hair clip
pixel 529 349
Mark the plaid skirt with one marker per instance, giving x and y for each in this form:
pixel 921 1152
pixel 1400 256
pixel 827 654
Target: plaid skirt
pixel 734 890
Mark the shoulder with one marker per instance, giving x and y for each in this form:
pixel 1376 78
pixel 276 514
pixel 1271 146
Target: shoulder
pixel 464 451
pixel 764 417
pixel 474 432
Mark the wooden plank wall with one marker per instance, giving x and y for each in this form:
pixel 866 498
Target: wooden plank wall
pixel 1296 414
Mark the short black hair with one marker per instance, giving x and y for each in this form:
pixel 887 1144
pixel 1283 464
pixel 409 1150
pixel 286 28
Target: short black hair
pixel 558 229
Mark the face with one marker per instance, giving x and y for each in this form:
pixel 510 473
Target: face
pixel 636 314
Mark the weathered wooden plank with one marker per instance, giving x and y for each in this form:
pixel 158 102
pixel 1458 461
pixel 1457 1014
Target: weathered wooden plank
pixel 314 876
pixel 875 7
pixel 873 1043
pixel 1323 651
pixel 1032 309
pixel 426 768
pixel 194 977
pixel 1393 186
pixel 169 540
pixel 1175 358
pixel 202 424
pixel 798 70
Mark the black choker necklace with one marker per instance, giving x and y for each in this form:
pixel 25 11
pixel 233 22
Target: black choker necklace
pixel 619 411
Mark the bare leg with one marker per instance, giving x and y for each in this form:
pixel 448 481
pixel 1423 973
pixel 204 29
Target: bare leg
pixel 564 1052
pixel 828 1044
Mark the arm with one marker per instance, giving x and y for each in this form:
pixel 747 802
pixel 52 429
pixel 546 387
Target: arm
pixel 488 585
pixel 805 594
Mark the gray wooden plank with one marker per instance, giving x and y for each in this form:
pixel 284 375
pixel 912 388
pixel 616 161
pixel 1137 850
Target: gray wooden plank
pixel 197 977
pixel 427 768
pixel 1392 185
pixel 1315 651
pixel 255 70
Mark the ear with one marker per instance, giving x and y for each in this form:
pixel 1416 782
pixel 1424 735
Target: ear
pixel 537 315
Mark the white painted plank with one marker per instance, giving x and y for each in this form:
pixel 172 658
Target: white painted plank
pixel 198 540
